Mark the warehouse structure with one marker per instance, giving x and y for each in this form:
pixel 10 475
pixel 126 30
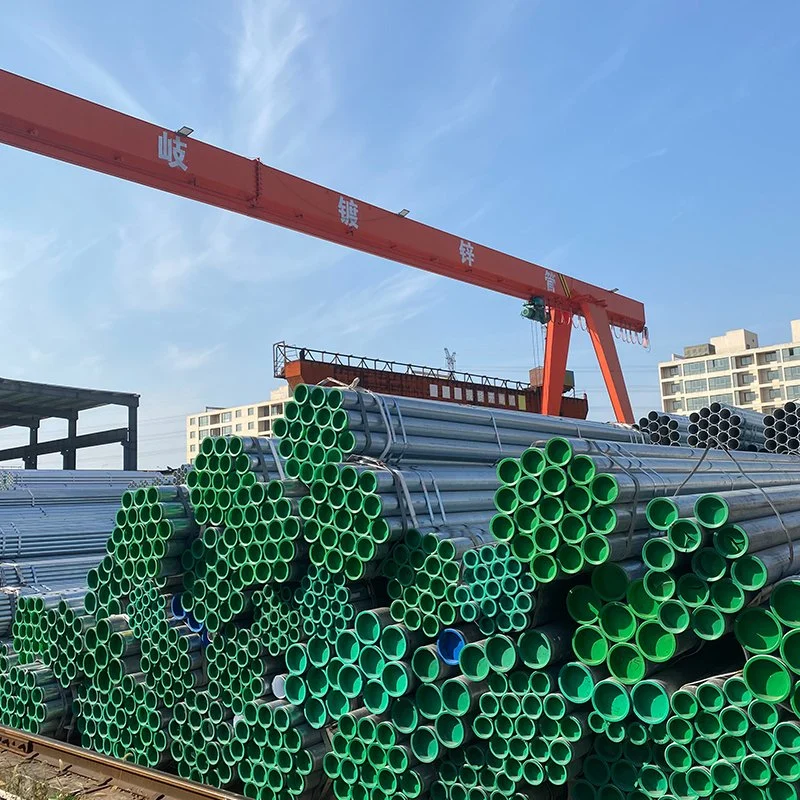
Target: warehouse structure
pixel 25 404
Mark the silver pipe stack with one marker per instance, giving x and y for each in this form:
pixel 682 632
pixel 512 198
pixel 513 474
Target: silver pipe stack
pixel 728 427
pixel 671 430
pixel 782 429
pixel 429 430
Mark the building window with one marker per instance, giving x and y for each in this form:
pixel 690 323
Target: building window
pixel 745 379
pixel 791 353
pixel 277 409
pixel 512 400
pixel 747 397
pixel 718 364
pixel 193 420
pixel 446 392
pixel 470 396
pixel 458 393
pixel 250 411
pixel 696 368
pixel 791 373
pixel 215 419
pixel 670 372
pixel 792 392
pixel 214 432
pixel 263 411
pixel 263 426
pixel 670 406
pixel 226 416
pixel 693 403
pixel 697 385
pixel 672 388
pixel 192 434
pixel 744 361
pixel 237 413
pixel 775 394
pixel 204 433
pixel 434 390
pixel 502 398
pixel 722 382
pixel 238 427
pixel 227 430
pixel 202 420
pixel 490 398
pixel 481 397
pixel 769 358
pixel 192 448
pixel 722 398
pixel 251 426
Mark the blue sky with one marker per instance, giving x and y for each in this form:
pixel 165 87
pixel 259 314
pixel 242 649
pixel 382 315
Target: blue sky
pixel 650 146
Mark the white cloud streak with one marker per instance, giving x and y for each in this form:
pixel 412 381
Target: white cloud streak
pixel 186 359
pixel 104 83
pixel 371 310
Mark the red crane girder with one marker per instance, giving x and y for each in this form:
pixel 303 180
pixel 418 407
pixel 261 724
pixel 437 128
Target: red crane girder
pixel 50 122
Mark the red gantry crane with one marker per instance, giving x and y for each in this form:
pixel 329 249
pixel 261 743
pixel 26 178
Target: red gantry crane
pixel 53 123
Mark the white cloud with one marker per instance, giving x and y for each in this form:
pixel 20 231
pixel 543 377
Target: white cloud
pixel 279 71
pixel 602 72
pixel 22 251
pixel 371 310
pixel 108 88
pixel 186 359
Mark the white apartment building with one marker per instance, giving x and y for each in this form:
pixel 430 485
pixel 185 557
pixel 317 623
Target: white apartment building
pixel 733 369
pixel 254 419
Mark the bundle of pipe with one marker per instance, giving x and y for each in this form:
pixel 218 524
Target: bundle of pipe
pixel 461 575
pixel 352 514
pixel 770 633
pixel 46 572
pixel 119 480
pixel 665 429
pixel 30 628
pixel 32 700
pixel 782 429
pixel 572 504
pixel 313 687
pixel 324 425
pixel 729 427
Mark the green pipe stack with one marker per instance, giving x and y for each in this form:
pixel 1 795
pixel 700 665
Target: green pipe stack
pixel 433 584
pixel 275 628
pixel 32 700
pixel 770 634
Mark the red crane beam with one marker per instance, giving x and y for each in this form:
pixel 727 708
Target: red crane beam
pixel 53 123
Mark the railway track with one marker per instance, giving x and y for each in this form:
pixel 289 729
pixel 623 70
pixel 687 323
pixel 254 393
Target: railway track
pixel 73 771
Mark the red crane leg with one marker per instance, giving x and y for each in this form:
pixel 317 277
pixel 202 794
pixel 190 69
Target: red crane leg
pixel 603 343
pixel 555 361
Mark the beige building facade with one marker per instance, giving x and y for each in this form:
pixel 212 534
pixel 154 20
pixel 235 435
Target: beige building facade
pixel 734 369
pixel 254 419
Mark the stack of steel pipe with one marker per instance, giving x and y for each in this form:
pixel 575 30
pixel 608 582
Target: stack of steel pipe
pixel 770 633
pixel 665 429
pixel 442 578
pixel 592 497
pixel 727 427
pixel 782 429
pixel 49 572
pixel 323 424
pixel 392 675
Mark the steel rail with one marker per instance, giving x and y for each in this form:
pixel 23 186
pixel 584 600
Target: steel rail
pixel 142 778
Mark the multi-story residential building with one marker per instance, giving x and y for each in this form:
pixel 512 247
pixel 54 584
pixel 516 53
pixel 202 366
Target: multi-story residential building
pixel 254 419
pixel 733 369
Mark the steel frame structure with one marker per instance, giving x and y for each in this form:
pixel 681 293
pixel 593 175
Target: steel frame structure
pixel 50 122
